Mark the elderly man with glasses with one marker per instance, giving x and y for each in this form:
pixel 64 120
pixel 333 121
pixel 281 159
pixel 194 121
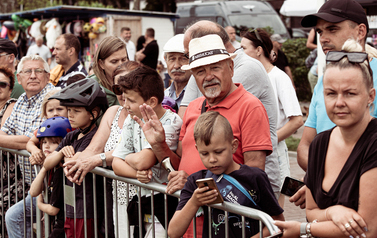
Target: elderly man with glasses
pixel 33 75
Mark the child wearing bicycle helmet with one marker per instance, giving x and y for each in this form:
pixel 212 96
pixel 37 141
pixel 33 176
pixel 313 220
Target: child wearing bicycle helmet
pixel 50 108
pixel 85 100
pixel 51 133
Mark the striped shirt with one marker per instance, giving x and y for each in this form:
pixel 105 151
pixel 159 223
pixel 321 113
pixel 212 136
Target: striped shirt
pixel 24 120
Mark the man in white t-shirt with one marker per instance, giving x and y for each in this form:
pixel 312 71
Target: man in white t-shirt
pixel 40 49
pixel 125 33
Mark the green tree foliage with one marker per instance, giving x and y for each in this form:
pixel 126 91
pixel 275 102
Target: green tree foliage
pixel 296 52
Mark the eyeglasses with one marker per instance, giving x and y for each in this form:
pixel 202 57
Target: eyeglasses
pixel 117 89
pixel 3 55
pixel 353 57
pixel 28 72
pixel 4 84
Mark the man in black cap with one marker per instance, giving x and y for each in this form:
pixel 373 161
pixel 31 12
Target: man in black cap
pixel 335 22
pixel 8 54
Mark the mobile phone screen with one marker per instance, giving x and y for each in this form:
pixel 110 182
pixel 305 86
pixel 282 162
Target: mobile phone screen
pixel 291 186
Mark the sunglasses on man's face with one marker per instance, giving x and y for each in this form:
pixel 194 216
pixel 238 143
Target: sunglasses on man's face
pixel 353 57
pixel 4 84
pixel 117 89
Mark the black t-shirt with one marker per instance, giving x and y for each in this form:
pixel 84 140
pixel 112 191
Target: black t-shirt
pixel 57 200
pixel 255 181
pixel 78 146
pixel 151 54
pixel 281 61
pixel 345 190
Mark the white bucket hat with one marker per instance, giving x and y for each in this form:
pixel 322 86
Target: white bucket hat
pixel 175 44
pixel 206 50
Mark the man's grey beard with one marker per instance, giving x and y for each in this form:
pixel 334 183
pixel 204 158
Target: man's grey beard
pixel 211 92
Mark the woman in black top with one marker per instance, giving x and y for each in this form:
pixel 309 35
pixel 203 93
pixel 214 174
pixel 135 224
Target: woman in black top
pixel 342 168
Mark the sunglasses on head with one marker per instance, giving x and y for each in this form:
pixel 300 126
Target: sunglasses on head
pixel 117 89
pixel 353 57
pixel 4 84
pixel 255 30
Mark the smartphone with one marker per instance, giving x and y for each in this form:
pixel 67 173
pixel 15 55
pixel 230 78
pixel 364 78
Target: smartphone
pixel 209 182
pixel 291 186
pixel 279 234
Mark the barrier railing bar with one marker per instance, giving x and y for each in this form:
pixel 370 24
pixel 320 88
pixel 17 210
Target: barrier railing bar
pixel 226 206
pixel 85 217
pixel 95 218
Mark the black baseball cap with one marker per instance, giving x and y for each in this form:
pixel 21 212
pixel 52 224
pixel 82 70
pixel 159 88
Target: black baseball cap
pixel 8 46
pixel 337 11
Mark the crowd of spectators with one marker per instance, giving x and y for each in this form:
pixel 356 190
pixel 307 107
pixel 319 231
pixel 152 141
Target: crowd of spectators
pixel 225 116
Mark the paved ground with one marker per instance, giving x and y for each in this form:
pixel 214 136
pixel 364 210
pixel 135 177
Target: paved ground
pixel 291 212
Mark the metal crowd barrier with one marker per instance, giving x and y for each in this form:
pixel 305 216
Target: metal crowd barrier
pixel 264 219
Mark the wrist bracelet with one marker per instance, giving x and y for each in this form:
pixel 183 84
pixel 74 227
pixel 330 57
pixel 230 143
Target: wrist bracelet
pixel 308 226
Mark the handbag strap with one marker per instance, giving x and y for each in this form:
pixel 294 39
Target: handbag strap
pixel 204 109
pixel 233 181
pixel 239 186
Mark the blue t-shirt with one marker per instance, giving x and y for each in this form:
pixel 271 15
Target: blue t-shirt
pixel 318 118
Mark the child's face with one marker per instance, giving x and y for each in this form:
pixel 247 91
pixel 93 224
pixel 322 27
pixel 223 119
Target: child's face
pixel 53 109
pixel 217 157
pixel 132 102
pixel 48 146
pixel 79 117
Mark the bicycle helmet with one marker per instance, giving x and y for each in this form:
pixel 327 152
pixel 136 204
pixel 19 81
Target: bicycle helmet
pixel 83 93
pixel 54 127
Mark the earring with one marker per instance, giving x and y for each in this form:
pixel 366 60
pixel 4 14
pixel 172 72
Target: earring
pixel 369 104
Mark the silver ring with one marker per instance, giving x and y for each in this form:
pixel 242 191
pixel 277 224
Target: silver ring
pixel 347 225
pixel 81 170
pixel 350 221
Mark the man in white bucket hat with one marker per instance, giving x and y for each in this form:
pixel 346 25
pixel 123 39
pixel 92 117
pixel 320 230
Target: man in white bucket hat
pixel 251 74
pixel 212 67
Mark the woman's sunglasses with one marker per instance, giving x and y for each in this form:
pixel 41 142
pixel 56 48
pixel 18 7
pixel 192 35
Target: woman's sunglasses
pixel 4 84
pixel 353 57
pixel 255 30
pixel 117 89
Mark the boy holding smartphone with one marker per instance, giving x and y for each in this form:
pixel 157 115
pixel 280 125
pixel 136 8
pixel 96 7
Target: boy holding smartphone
pixel 216 145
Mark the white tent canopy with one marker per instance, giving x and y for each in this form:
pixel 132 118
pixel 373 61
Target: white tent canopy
pixel 298 8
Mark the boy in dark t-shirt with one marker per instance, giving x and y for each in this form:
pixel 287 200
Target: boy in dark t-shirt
pixel 84 99
pixel 216 148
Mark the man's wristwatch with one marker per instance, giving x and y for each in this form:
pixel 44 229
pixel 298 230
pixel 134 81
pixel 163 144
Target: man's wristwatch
pixel 303 230
pixel 103 158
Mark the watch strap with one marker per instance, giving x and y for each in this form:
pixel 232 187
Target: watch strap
pixel 103 158
pixel 303 229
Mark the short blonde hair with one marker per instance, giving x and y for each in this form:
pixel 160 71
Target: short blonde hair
pixel 45 100
pixel 206 124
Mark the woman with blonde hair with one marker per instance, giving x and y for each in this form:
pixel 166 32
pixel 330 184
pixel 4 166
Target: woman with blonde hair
pixel 111 53
pixel 342 166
